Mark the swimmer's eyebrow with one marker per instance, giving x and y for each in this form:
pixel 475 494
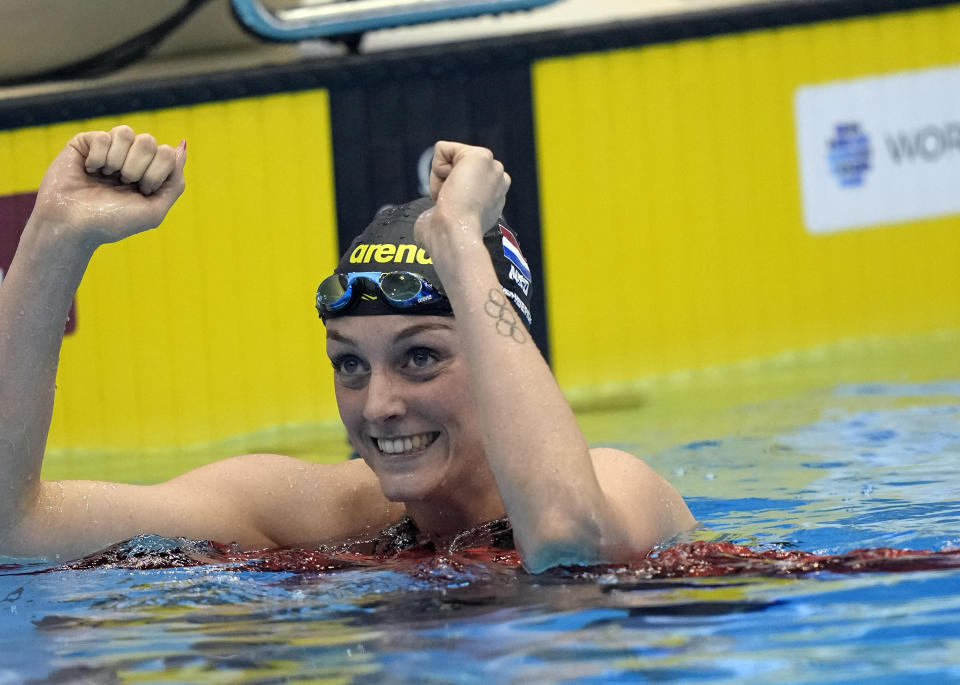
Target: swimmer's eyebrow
pixel 402 335
pixel 340 338
pixel 420 328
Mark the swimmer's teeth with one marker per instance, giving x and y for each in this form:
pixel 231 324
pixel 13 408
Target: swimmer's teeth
pixel 398 445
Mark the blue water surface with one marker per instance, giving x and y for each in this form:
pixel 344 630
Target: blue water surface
pixel 882 476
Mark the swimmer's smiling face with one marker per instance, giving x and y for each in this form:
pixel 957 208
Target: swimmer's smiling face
pixel 403 392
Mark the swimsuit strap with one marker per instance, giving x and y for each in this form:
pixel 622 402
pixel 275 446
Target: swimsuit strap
pixel 497 534
pixel 398 537
pixel 405 535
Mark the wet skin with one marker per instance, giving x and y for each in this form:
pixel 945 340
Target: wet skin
pixel 404 396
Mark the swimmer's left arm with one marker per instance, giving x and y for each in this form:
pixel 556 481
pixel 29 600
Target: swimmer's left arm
pixel 563 509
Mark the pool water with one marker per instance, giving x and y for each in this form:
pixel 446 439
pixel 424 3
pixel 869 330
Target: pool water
pixel 824 469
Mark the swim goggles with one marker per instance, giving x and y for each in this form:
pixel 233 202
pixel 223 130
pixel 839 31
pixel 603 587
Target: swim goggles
pixel 399 289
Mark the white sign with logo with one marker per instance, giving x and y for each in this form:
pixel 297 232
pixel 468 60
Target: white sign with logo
pixel 879 150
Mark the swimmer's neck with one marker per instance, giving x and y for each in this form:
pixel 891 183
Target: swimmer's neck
pixel 450 516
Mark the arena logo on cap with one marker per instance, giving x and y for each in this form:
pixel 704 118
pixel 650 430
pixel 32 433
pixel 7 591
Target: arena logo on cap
pixel 388 253
pixel 511 250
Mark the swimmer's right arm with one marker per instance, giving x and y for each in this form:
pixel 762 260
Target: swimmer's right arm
pixel 103 187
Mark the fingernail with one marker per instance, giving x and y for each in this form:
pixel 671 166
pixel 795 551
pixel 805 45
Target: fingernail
pixel 183 144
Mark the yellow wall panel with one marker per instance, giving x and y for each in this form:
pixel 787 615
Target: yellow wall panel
pixel 203 329
pixel 672 226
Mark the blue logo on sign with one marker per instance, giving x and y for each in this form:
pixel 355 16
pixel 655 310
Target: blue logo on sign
pixel 849 155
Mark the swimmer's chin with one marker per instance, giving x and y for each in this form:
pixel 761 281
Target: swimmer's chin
pixel 406 488
pixel 415 484
pixel 408 475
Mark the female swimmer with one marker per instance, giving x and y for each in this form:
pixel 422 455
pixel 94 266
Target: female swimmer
pixel 457 418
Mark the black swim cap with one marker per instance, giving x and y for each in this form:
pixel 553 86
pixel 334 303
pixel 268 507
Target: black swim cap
pixel 387 244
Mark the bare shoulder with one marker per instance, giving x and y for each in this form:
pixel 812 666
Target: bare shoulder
pixel 295 502
pixel 276 466
pixel 616 468
pixel 644 500
pixel 256 501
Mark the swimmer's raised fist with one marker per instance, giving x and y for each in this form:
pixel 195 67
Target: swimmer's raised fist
pixel 469 186
pixel 105 186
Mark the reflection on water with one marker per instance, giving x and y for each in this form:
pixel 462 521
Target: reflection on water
pixel 196 625
pixel 868 466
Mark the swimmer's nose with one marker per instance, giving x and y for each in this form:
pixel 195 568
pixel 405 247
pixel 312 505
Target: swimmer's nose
pixel 384 398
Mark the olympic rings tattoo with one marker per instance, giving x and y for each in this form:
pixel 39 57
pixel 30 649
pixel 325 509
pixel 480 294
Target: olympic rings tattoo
pixel 499 308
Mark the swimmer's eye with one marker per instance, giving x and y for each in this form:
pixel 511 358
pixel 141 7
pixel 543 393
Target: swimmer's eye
pixel 348 365
pixel 421 358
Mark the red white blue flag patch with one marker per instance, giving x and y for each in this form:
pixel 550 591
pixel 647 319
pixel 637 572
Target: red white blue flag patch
pixel 511 250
